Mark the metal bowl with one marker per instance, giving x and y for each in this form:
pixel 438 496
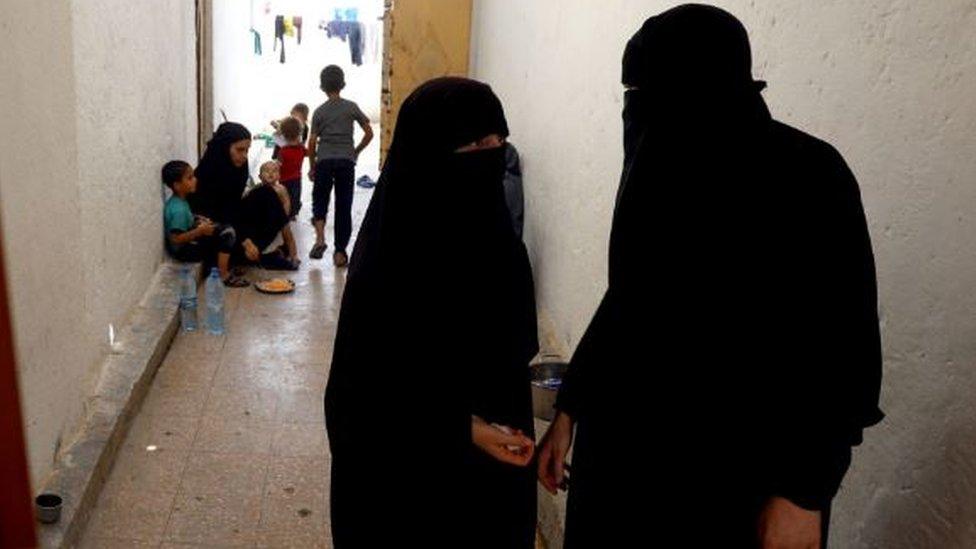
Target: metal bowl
pixel 547 377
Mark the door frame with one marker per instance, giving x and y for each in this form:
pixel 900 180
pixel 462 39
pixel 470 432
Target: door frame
pixel 16 501
pixel 205 127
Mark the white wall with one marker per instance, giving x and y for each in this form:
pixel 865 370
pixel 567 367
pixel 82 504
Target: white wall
pixel 96 99
pixel 892 84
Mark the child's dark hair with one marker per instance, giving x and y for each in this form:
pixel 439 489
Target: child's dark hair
pixel 290 128
pixel 173 171
pixel 332 79
pixel 301 108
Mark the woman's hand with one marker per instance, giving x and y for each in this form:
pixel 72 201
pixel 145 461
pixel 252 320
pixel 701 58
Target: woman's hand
pixel 251 251
pixel 511 447
pixel 784 525
pixel 552 452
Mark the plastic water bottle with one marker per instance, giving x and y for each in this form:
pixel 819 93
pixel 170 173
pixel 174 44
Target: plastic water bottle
pixel 188 301
pixel 215 303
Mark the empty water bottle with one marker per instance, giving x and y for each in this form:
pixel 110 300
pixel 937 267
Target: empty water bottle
pixel 188 300
pixel 215 303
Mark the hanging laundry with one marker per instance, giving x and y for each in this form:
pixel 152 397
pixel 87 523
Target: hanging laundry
pixel 372 33
pixel 357 42
pixel 337 29
pixel 280 35
pixel 346 14
pixel 297 22
pixel 257 42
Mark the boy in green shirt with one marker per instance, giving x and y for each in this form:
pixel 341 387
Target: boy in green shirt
pixel 192 238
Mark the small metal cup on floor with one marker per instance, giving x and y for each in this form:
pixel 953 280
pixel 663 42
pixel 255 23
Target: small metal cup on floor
pixel 48 508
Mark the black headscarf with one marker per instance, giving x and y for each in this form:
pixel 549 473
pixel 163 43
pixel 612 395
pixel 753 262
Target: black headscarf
pixel 437 323
pixel 220 184
pixel 739 327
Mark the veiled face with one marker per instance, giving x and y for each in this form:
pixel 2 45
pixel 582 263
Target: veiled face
pixel 490 141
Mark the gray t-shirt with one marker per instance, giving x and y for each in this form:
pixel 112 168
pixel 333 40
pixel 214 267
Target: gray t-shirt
pixel 332 123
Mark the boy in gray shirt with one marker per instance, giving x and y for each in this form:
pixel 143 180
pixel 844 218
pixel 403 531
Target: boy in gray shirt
pixel 333 160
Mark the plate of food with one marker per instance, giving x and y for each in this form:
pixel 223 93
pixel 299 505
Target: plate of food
pixel 275 286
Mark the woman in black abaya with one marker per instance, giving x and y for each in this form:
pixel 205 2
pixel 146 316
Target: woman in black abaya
pixel 735 357
pixel 429 356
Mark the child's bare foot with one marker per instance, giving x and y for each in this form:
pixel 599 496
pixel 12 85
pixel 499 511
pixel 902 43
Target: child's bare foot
pixel 340 259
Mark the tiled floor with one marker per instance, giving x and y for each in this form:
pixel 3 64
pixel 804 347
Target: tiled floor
pixel 229 448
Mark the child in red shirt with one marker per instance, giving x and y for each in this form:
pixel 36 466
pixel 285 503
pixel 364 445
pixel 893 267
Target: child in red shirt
pixel 291 156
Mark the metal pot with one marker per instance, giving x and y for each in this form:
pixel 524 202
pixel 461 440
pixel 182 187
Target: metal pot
pixel 547 377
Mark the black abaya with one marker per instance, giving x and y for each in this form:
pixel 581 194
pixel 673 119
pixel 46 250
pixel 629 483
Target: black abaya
pixel 423 345
pixel 262 216
pixel 736 353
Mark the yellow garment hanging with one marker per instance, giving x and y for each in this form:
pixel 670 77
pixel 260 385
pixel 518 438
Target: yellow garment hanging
pixel 289 26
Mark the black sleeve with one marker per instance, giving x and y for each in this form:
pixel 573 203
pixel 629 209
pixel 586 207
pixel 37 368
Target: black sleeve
pixel 505 357
pixel 249 221
pixel 842 393
pixel 592 345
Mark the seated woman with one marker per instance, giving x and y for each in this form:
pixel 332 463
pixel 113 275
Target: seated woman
pixel 428 406
pixel 264 214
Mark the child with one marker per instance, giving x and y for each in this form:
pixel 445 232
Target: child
pixel 333 162
pixel 195 238
pixel 291 156
pixel 265 210
pixel 299 111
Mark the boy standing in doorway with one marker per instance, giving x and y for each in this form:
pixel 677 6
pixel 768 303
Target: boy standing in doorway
pixel 333 162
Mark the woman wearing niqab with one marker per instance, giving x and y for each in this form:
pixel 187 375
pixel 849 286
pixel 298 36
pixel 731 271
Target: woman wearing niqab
pixel 429 354
pixel 735 357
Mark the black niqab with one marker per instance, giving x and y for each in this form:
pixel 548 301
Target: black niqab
pixel 736 353
pixel 437 323
pixel 220 184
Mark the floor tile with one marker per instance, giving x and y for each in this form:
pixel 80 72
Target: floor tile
pixel 136 515
pixel 170 400
pixel 300 440
pixel 139 470
pixel 214 520
pixel 242 402
pixel 163 432
pixel 234 436
pixel 230 474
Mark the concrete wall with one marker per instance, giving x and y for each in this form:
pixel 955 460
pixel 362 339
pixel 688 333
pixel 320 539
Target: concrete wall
pixel 892 83
pixel 94 100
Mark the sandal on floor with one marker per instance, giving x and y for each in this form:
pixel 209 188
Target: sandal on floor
pixel 340 259
pixel 234 281
pixel 318 251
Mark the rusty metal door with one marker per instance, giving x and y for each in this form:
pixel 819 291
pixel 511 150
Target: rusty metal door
pixel 423 39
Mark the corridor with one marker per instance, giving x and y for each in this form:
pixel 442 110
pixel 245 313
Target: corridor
pixel 229 448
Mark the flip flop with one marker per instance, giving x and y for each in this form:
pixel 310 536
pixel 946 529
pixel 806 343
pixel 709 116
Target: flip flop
pixel 234 281
pixel 318 251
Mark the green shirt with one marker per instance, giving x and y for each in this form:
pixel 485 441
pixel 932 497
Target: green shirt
pixel 177 218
